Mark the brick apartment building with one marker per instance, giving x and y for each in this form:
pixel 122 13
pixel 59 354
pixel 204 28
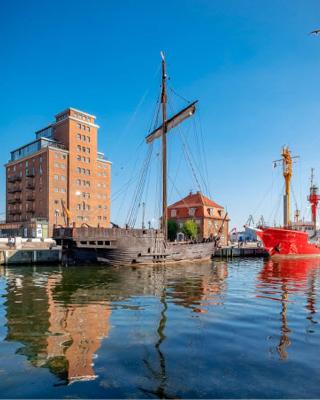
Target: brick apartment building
pixel 60 170
pixel 207 214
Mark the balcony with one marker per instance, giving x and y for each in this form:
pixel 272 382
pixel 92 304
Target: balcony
pixel 11 201
pixel 15 189
pixel 15 178
pixel 17 200
pixel 15 212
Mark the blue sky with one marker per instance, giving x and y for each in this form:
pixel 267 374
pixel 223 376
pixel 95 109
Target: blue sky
pixel 251 64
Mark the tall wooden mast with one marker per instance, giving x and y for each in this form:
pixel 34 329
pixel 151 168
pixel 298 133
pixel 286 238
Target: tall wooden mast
pixel 164 148
pixel 161 132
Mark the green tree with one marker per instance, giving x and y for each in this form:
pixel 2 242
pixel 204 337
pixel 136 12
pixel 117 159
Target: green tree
pixel 190 229
pixel 172 229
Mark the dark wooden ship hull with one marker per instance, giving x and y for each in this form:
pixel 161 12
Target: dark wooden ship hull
pixel 116 246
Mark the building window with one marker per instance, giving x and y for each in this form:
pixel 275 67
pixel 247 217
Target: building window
pixel 56 190
pixel 56 177
pixel 63 190
pixel 173 213
pixel 78 136
pixel 192 211
pixel 88 150
pixel 63 178
pixel 210 211
pixel 78 148
pixel 56 155
pixel 79 126
pixel 64 156
pixel 56 165
pixel 79 158
pixel 79 170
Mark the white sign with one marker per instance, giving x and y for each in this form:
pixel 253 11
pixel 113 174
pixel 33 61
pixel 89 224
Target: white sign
pixel 39 231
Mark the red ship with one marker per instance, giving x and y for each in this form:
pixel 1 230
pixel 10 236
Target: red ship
pixel 290 240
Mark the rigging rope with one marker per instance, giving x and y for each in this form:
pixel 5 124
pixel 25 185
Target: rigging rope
pixel 133 212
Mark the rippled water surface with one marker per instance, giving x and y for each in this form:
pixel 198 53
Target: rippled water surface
pixel 238 329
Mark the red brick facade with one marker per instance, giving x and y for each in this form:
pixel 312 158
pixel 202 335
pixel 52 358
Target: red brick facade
pixel 62 167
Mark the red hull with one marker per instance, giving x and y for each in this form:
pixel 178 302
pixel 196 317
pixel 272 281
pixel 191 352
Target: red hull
pixel 280 242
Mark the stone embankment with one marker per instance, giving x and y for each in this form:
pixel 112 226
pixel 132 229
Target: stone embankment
pixel 23 251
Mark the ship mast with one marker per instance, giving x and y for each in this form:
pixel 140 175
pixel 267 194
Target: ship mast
pixel 286 162
pixel 313 198
pixel 287 174
pixel 161 132
pixel 164 148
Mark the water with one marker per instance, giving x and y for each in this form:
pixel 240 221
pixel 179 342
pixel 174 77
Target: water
pixel 238 329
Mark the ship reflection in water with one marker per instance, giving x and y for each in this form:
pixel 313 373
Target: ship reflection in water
pixel 222 329
pixel 281 280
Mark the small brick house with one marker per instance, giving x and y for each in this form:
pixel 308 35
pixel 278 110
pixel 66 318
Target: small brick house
pixel 207 214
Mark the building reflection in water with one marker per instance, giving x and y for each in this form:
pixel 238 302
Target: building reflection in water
pixel 286 278
pixel 61 317
pixel 202 291
pixel 62 337
pixel 76 332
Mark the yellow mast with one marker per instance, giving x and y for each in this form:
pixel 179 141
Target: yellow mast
pixel 287 174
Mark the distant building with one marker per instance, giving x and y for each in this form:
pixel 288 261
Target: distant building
pixel 58 175
pixel 207 214
pixel 248 235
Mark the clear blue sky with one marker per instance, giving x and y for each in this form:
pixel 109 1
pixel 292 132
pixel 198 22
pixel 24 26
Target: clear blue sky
pixel 251 64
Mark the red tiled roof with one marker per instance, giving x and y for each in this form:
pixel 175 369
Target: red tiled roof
pixel 195 200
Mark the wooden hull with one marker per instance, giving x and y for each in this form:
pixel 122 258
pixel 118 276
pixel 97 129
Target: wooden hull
pixel 171 254
pixel 128 247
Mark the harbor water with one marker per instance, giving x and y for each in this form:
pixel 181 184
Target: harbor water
pixel 245 328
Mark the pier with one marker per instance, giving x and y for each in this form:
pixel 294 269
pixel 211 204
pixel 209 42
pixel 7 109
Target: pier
pixel 247 250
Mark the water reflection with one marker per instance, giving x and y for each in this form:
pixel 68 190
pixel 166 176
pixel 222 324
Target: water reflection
pixel 62 316
pixel 60 336
pixel 280 281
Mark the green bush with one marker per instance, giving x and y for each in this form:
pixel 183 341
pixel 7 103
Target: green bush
pixel 190 229
pixel 172 229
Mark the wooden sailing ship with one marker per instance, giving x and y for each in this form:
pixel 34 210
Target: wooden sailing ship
pixel 121 246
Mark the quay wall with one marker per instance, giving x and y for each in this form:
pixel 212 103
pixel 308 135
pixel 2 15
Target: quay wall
pixel 30 256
